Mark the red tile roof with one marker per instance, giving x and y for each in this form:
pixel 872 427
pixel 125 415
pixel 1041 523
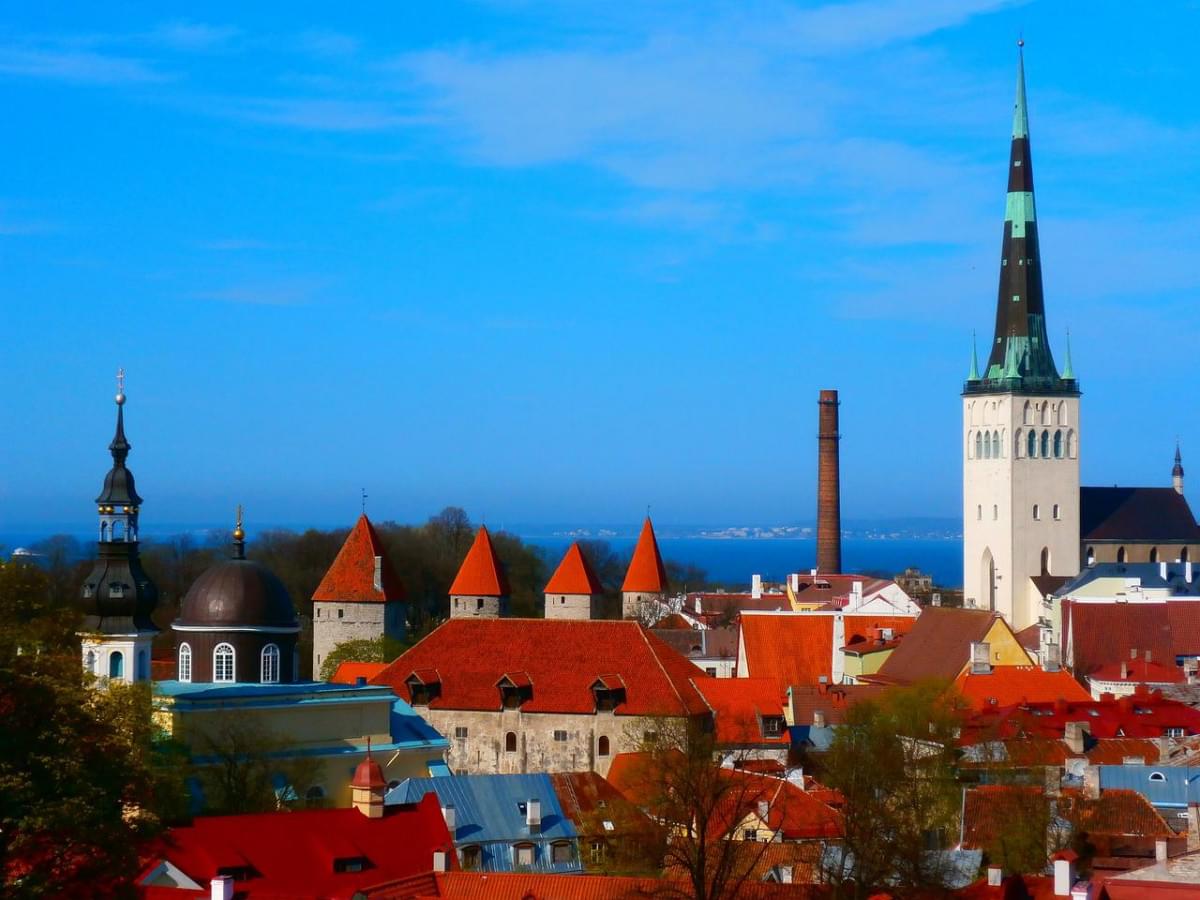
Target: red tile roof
pixel 481 574
pixel 351 578
pixel 1013 887
pixel 1030 637
pixel 831 700
pixel 797 648
pixel 1100 633
pixel 349 672
pixel 293 854
pixel 574 575
pixel 739 705
pixel 533 886
pixel 562 658
pixel 1010 685
pixel 646 573
pixel 938 645
pixel 1139 671
pixel 1139 715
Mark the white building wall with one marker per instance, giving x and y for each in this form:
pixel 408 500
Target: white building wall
pixel 476 606
pixel 1000 492
pixel 571 606
pixel 135 650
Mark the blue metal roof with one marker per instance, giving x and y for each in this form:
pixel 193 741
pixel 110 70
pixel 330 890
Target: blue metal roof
pixel 489 812
pixel 1165 786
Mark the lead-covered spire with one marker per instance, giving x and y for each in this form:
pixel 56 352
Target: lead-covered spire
pixel 1020 356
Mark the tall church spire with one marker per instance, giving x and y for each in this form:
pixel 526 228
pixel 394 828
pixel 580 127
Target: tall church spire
pixel 1020 357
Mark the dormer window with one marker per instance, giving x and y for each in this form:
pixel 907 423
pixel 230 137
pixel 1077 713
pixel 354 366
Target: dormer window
pixel 424 686
pixel 515 688
pixel 351 864
pixel 608 691
pixel 116 590
pixel 772 726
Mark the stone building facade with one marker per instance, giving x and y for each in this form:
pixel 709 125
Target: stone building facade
pixel 480 589
pixel 574 591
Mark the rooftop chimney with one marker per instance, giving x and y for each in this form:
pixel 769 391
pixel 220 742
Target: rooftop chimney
pixel 450 814
pixel 1050 659
pixel 379 573
pixel 1073 736
pixel 755 586
pixel 995 876
pixel 829 491
pixel 764 809
pixel 981 658
pixel 1124 671
pixel 533 815
pixel 785 874
pixel 221 888
pixel 818 719
pixel 439 860
pixel 936 599
pixel 1160 850
pixel 1064 877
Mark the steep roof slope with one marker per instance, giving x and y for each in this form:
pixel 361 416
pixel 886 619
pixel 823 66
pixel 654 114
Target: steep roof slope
pixel 1010 685
pixel 1135 514
pixel 352 575
pixel 938 645
pixel 574 575
pixel 797 648
pixel 739 705
pixel 1097 634
pixel 481 574
pixel 562 660
pixel 646 572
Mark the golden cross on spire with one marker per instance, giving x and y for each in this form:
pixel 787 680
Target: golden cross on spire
pixel 238 533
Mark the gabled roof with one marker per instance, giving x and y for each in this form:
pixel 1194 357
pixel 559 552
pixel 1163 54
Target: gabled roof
pixel 574 575
pixel 1136 514
pixel 293 854
pixel 739 705
pixel 1143 714
pixel 938 645
pixel 1009 685
pixel 351 578
pixel 481 574
pixel 349 672
pixel 797 648
pixel 592 804
pixel 831 700
pixel 563 659
pixel 646 572
pixel 1139 671
pixel 1100 633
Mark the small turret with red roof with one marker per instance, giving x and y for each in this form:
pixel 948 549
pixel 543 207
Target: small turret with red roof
pixel 360 597
pixel 368 787
pixel 574 591
pixel 645 585
pixel 480 590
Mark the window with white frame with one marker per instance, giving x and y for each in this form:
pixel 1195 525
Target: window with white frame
pixel 270 664
pixel 223 660
pixel 185 662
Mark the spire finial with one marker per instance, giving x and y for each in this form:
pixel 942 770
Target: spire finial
pixel 120 398
pixel 1068 369
pixel 973 375
pixel 364 501
pixel 239 537
pixel 1020 115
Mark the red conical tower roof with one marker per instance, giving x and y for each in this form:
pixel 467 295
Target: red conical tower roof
pixel 352 575
pixel 480 574
pixel 368 773
pixel 646 572
pixel 574 575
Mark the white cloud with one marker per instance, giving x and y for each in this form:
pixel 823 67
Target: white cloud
pixel 76 65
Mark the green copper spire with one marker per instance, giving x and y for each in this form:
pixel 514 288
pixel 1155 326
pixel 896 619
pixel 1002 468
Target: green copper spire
pixel 973 375
pixel 1068 372
pixel 1020 117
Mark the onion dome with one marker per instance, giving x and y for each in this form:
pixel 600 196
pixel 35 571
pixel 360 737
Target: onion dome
pixel 238 592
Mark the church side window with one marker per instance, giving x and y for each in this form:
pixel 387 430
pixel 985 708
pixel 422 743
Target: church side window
pixel 116 664
pixel 979 513
pixel 1018 445
pixel 979 445
pixel 1058 444
pixel 223 663
pixel 995 512
pixel 987 445
pixel 270 664
pixel 185 662
pixel 1045 445
pixel 996 445
pixel 1028 417
pixel 1032 444
pixel 1037 511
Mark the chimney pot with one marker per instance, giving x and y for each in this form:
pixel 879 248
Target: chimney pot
pixel 981 658
pixel 829 504
pixel 533 815
pixel 995 876
pixel 764 810
pixel 450 814
pixel 1160 850
pixel 1064 877
pixel 439 860
pixel 221 888
pixel 379 573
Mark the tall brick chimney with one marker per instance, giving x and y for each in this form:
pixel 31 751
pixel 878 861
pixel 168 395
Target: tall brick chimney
pixel 829 491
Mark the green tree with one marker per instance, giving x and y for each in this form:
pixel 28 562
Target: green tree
pixel 367 650
pixel 893 760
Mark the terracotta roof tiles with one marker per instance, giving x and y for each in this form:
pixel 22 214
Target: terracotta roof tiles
pixel 1135 514
pixel 1100 633
pixel 349 672
pixel 739 706
pixel 481 574
pixel 351 578
pixel 574 575
pixel 1009 685
pixel 938 645
pixel 646 573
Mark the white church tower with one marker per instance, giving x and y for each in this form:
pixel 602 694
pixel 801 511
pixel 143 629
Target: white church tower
pixel 1020 428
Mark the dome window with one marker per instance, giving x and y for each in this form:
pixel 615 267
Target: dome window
pixel 185 663
pixel 223 663
pixel 270 664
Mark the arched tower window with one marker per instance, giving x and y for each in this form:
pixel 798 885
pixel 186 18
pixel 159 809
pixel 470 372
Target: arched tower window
pixel 1032 444
pixel 270 664
pixel 1183 555
pixel 996 445
pixel 1045 413
pixel 1027 417
pixel 1018 445
pixel 1058 413
pixel 185 663
pixel 995 513
pixel 510 742
pixel 602 746
pixel 988 572
pixel 1120 554
pixel 1071 444
pixel 1037 511
pixel 89 662
pixel 1090 556
pixel 979 445
pixel 979 513
pixel 223 660
pixel 1045 560
pixel 1153 554
pixel 1045 445
pixel 1058 444
pixel 116 664
pixel 987 445
pixel 103 532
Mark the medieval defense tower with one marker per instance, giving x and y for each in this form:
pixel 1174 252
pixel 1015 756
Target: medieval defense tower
pixel 1021 426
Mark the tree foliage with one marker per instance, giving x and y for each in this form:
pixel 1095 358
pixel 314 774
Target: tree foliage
pixel 365 650
pixel 893 761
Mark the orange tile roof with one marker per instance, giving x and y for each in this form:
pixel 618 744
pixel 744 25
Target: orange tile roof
pixel 349 672
pixel 1010 685
pixel 646 572
pixel 481 574
pixel 562 658
pixel 536 886
pixel 797 648
pixel 574 575
pixel 351 578
pixel 738 705
pixel 1140 671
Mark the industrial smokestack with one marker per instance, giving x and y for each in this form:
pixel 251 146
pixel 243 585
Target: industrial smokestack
pixel 829 491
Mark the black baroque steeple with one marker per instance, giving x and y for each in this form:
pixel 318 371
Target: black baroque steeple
pixel 118 596
pixel 1020 358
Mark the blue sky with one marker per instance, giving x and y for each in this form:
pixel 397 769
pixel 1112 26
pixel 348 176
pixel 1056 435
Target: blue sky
pixel 554 261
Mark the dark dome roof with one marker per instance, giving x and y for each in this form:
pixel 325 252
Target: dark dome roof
pixel 238 592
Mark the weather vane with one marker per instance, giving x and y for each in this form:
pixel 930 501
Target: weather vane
pixel 364 501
